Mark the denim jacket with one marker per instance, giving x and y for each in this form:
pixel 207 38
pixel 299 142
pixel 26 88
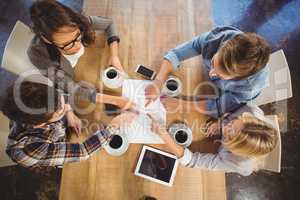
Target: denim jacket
pixel 233 92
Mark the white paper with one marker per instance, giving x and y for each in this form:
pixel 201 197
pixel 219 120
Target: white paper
pixel 139 131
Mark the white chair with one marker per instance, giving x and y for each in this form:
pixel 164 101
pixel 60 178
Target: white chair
pixel 15 58
pixel 272 162
pixel 4 131
pixel 279 84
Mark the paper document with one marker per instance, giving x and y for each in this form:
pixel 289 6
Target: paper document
pixel 139 131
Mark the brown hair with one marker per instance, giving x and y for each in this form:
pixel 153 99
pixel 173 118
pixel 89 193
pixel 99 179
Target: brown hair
pixel 244 55
pixel 257 138
pixel 48 16
pixel 34 96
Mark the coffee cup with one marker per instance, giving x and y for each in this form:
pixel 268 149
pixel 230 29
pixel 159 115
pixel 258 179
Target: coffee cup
pixel 117 146
pixel 181 134
pixel 113 77
pixel 172 87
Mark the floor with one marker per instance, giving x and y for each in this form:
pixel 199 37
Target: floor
pixel 277 20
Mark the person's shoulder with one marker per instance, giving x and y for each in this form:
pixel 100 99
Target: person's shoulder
pixel 247 108
pixel 36 47
pixel 219 35
pixel 239 164
pixel 95 19
pixel 226 31
pixel 17 130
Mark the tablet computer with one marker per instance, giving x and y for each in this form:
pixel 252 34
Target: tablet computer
pixel 156 165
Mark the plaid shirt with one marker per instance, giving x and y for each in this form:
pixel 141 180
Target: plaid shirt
pixel 47 146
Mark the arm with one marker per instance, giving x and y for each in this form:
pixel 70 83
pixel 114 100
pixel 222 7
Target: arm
pixel 91 95
pixel 36 151
pixel 106 24
pixel 153 90
pixel 227 102
pixel 186 50
pixel 172 60
pixel 42 153
pixel 225 161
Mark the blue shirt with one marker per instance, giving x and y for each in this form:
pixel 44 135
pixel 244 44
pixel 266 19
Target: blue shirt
pixel 234 92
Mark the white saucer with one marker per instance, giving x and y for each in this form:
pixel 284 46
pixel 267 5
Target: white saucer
pixel 174 128
pixel 119 151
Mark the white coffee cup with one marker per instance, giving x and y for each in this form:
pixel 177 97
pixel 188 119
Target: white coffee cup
pixel 172 87
pixel 181 134
pixel 113 77
pixel 117 146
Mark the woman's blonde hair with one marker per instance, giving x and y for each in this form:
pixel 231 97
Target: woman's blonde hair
pixel 257 138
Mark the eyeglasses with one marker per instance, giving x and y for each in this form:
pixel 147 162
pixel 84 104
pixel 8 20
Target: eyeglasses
pixel 71 44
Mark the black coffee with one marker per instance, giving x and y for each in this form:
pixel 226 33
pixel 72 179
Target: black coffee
pixel 181 136
pixel 172 85
pixel 116 142
pixel 111 73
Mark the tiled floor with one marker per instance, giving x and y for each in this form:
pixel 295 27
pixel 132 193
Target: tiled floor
pixel 277 20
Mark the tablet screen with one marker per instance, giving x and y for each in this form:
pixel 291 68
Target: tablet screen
pixel 157 166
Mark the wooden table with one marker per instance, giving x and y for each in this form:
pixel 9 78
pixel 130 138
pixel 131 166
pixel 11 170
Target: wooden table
pixel 148 28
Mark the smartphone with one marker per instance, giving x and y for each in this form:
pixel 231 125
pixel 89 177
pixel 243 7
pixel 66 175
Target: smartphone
pixel 145 72
pixel 112 110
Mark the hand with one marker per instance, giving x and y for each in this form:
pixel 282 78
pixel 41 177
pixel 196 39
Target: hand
pixel 212 128
pixel 152 92
pixel 156 126
pixel 115 61
pixel 125 104
pixel 74 122
pixel 172 104
pixel 125 118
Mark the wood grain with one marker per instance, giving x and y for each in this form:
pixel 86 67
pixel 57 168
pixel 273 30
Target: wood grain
pixel 148 29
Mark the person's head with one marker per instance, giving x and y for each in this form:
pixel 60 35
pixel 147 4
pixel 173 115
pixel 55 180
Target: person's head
pixel 59 25
pixel 33 96
pixel 240 57
pixel 249 136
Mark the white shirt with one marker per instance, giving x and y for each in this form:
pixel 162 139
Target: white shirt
pixel 73 59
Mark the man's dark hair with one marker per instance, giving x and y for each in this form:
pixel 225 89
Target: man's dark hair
pixel 33 96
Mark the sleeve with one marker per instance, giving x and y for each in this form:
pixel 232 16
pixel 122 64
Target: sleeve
pixel 50 69
pixel 61 81
pixel 186 50
pixel 106 24
pixel 216 162
pixel 41 153
pixel 227 102
pixel 206 44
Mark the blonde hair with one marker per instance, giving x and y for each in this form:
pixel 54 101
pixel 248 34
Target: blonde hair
pixel 256 139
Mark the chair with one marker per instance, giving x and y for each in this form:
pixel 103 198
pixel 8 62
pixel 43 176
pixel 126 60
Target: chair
pixel 279 86
pixel 15 58
pixel 4 131
pixel 272 162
